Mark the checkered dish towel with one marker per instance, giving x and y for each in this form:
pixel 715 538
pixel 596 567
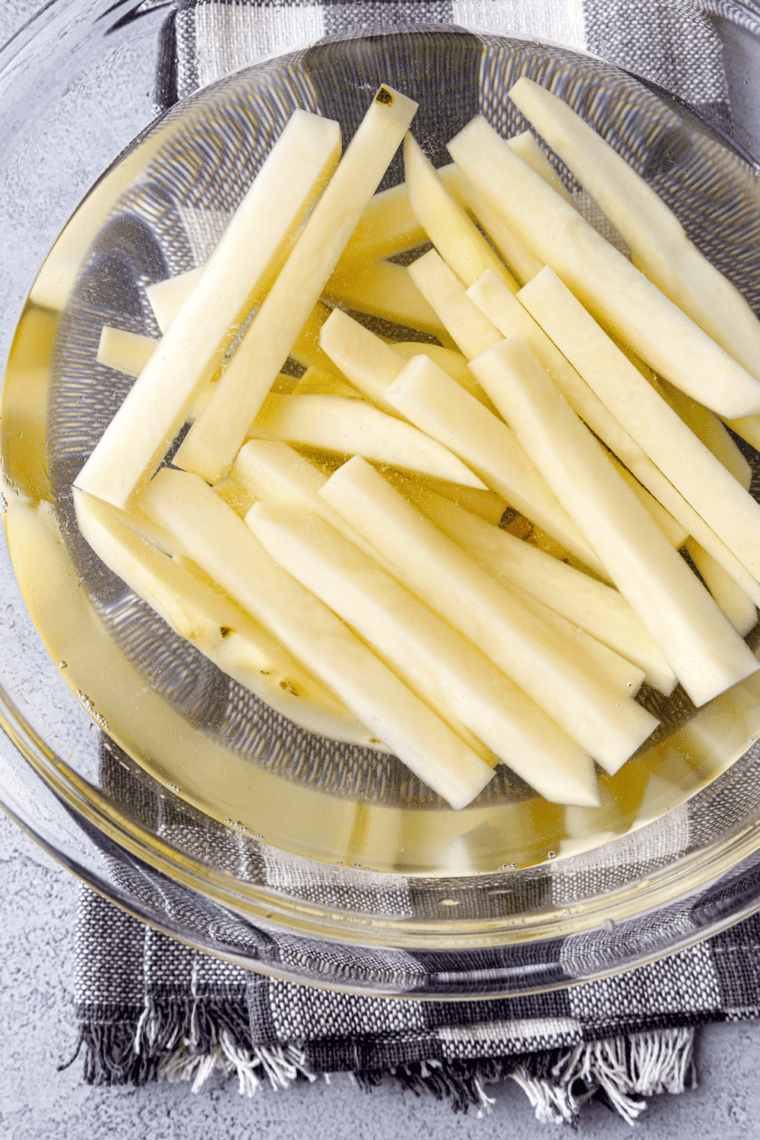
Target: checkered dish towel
pixel 151 1008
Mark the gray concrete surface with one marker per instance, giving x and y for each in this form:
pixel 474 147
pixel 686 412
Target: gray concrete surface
pixel 38 1032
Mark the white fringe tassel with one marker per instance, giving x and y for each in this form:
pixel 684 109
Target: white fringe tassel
pixel 627 1070
pixel 278 1067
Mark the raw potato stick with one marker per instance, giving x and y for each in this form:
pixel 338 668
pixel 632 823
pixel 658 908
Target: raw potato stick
pixel 602 278
pixel 428 397
pixel 450 360
pixel 430 655
pixel 738 607
pixel 273 472
pixel 711 430
pixel 529 151
pixel 599 418
pixel 543 665
pixel 656 238
pixel 315 382
pixel 675 533
pixel 700 645
pixel 588 603
pixel 364 358
pixel 129 352
pixel 467 326
pixel 520 259
pixel 622 675
pixel 214 439
pixel 225 548
pixel 512 316
pixel 167 297
pixel 199 611
pixel 354 427
pixel 486 505
pixel 388 226
pixel 125 351
pixel 683 459
pixel 385 290
pixel 457 239
pixel 372 364
pixel 142 430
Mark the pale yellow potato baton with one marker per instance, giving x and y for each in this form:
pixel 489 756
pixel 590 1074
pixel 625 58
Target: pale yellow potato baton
pixel 157 405
pixel 211 444
pixel 698 642
pixel 225 548
pixel 607 283
pixel 431 656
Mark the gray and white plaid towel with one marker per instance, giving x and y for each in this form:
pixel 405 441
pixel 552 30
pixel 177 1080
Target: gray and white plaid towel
pixel 151 1008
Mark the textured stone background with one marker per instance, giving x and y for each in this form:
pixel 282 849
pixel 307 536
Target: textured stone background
pixel 37 1030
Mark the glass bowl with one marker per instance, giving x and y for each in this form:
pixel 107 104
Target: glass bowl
pixel 149 773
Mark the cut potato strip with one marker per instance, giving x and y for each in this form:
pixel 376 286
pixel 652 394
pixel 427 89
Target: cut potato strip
pixel 519 257
pixel 711 431
pixel 156 407
pixel 467 326
pixel 125 351
pixel 274 473
pixel 621 675
pixel 738 607
pixel 385 290
pixel 315 382
pixel 306 350
pixel 429 398
pixel 225 548
pixel 167 297
pixel 603 279
pixel 595 607
pixel 431 656
pixel 457 239
pixel 719 499
pixel 529 150
pixel 700 645
pixel 214 439
pixel 512 316
pixel 353 427
pixel 542 664
pixel 201 612
pixel 661 246
pixel 365 359
pixel 613 434
pixel 487 505
pixel 386 227
pixel 372 364
pixel 450 361
pixel 675 533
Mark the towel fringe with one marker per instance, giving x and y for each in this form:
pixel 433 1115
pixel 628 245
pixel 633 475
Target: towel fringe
pixel 622 1072
pixel 172 1040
